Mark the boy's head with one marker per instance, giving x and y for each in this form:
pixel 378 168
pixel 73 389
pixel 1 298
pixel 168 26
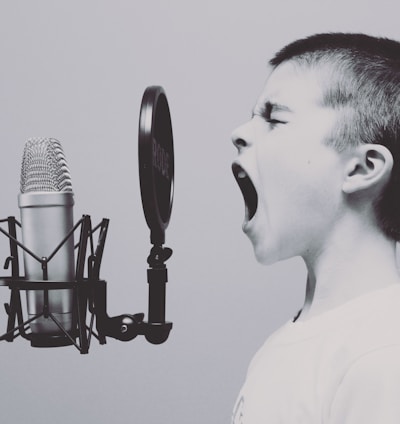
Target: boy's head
pixel 328 96
pixel 361 78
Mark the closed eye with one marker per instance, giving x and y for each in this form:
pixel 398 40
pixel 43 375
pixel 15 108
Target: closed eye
pixel 269 109
pixel 275 121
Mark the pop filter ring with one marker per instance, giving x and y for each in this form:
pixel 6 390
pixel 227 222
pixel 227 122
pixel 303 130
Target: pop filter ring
pixel 156 162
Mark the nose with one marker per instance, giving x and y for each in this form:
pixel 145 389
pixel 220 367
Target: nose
pixel 240 137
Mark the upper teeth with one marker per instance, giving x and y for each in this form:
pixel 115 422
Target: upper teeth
pixel 242 174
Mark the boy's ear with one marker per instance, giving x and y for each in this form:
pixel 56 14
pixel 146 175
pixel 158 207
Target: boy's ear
pixel 369 166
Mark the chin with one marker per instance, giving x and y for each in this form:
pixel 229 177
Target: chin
pixel 266 256
pixel 270 254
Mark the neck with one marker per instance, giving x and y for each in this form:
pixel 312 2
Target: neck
pixel 353 264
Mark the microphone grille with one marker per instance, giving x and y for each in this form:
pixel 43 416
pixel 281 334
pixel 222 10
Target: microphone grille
pixel 44 167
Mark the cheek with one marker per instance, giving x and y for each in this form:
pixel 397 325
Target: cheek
pixel 302 182
pixel 281 173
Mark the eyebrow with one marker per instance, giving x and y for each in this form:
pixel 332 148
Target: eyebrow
pixel 269 107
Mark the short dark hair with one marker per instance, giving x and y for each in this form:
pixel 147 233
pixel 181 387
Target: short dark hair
pixel 363 84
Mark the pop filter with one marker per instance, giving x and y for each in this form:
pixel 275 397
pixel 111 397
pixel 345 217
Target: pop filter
pixel 156 162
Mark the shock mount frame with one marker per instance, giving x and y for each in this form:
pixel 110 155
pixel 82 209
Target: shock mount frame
pixel 89 307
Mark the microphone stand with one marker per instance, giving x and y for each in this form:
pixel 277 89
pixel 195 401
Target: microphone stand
pixel 89 294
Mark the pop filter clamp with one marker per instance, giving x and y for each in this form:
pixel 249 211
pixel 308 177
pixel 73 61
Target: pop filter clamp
pixel 156 173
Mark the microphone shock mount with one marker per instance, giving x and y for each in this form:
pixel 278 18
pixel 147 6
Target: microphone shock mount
pixel 89 313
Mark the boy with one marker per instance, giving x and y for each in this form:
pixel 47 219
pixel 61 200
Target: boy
pixel 319 168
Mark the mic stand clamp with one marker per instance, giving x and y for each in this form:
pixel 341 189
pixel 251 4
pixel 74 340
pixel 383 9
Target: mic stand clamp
pixel 122 327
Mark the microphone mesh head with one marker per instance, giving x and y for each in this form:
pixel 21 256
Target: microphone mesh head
pixel 44 167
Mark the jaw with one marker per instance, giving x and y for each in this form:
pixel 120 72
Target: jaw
pixel 248 190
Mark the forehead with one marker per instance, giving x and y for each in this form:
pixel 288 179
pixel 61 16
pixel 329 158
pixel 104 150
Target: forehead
pixel 293 86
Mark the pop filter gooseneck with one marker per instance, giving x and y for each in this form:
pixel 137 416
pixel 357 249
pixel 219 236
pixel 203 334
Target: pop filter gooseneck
pixel 156 172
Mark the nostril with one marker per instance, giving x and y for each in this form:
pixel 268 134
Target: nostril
pixel 239 143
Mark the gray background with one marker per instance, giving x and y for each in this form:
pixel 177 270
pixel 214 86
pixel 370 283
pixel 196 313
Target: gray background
pixel 76 71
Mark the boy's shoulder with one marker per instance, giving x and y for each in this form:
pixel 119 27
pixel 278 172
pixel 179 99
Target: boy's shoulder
pixel 343 334
pixel 374 324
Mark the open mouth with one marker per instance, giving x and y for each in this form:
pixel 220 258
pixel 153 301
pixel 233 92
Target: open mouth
pixel 248 190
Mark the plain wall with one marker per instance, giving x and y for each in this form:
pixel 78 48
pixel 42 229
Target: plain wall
pixel 76 71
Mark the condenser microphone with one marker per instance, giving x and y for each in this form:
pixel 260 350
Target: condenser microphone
pixel 46 205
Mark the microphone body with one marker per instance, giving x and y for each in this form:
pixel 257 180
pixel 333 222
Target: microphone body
pixel 46 205
pixel 46 219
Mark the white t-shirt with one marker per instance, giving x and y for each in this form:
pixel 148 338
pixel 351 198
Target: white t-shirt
pixel 341 367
